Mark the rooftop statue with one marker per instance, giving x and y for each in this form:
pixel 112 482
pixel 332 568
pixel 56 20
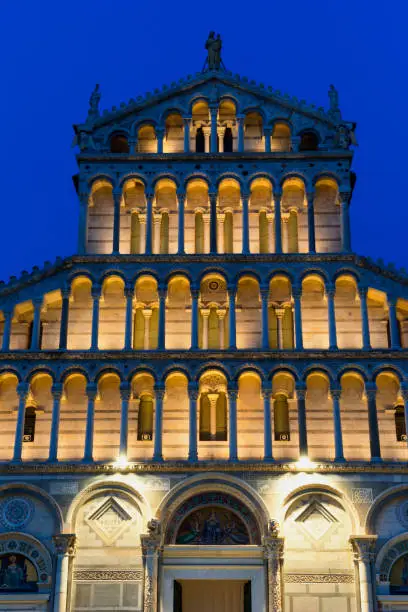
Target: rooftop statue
pixel 94 102
pixel 213 46
pixel 334 109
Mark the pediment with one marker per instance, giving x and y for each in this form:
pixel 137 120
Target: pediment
pixel 180 95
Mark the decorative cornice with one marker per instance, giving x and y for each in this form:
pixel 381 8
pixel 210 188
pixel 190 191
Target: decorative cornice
pixel 178 467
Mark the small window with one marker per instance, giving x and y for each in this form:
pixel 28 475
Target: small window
pixel 200 141
pixel 400 429
pixel 29 424
pixel 309 142
pixel 145 419
pixel 119 144
pixel 281 418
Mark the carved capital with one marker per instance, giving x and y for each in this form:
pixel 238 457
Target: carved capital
pixel 335 393
pixel 363 548
pixel 125 390
pixel 159 390
pixel 273 547
pixel 362 291
pixel 57 390
pixel 301 390
pixel 233 394
pixel 330 290
pixel 64 544
pixel 150 545
pixel 23 389
pixel 96 291
pixel 91 391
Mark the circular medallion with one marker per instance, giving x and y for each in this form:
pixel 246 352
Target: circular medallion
pixel 16 512
pixel 402 513
pixel 213 285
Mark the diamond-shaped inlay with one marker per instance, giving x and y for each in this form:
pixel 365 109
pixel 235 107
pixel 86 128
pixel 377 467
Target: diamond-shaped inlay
pixel 316 519
pixel 110 520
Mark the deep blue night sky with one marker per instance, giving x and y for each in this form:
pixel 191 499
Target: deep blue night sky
pixel 54 52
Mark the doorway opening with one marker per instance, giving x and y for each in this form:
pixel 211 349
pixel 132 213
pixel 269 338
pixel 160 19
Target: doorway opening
pixel 212 596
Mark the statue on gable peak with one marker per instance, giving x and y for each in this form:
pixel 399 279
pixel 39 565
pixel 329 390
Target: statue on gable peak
pixel 94 102
pixel 334 109
pixel 213 46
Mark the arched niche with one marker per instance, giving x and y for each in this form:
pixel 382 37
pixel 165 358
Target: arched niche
pixel 112 314
pixel 141 416
pixel 318 407
pixel 197 217
pixel 248 313
pixel 174 134
pixel 146 139
pixel 250 416
pixel 253 127
pixel 133 218
pixel 280 324
pixel 261 229
pixel 146 317
pixel 348 313
pixel 100 218
pixel 315 324
pixel 284 424
pixel 80 314
pixel 353 406
pixel 176 416
pixel 213 415
pixel 213 320
pixel 73 411
pixel 178 313
pixel 327 216
pixel 8 413
pixel 165 221
pixel 230 219
pixel 281 137
pixel 106 423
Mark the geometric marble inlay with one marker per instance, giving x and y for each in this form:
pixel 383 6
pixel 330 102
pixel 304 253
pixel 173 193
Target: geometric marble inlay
pixel 316 520
pixel 110 520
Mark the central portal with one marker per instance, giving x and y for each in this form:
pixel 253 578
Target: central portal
pixel 212 596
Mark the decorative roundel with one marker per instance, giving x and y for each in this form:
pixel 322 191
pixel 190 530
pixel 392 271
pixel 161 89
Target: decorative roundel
pixel 16 512
pixel 402 513
pixel 213 285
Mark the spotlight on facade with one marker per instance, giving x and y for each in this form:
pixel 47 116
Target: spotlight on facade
pixel 121 462
pixel 304 463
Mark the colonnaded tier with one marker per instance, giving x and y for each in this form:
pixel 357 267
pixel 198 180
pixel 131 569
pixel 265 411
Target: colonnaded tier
pixel 215 326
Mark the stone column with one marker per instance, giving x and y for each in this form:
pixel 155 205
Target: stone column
pixel 8 319
pixel 279 312
pixel 83 222
pixel 265 317
pixel 311 222
pixel 149 223
pixel 213 222
pixel 394 328
pixel 160 137
pixel 245 224
pixel 240 121
pixel 267 394
pixel 35 338
pixel 331 292
pixel 371 392
pixel 278 228
pixel 221 312
pixel 162 291
pixel 297 297
pixel 365 327
pixel 232 292
pixel 64 545
pixel 267 137
pixel 193 397
pixel 404 393
pixel 91 391
pixel 147 315
pixel 142 237
pixel 125 394
pixel 57 390
pixel 63 339
pixel 363 547
pixel 273 554
pixel 96 294
pixel 205 313
pixel 129 293
pixel 285 232
pixel 345 222
pixel 214 113
pixel 117 196
pixel 158 423
pixel 233 438
pixel 206 222
pixel 132 145
pixel 207 135
pixel 181 206
pixel 220 244
pixel 338 434
pixel 186 121
pixel 22 392
pixel 151 550
pixel 221 133
pixel 213 398
pixel 194 317
pixel 270 217
pixel 301 402
pixel 156 234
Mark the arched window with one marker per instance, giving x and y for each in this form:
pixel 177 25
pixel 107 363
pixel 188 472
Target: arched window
pixel 281 418
pixel 213 417
pixel 29 424
pixel 200 140
pixel 145 418
pixel 228 141
pixel 400 428
pixel 119 144
pixel 309 142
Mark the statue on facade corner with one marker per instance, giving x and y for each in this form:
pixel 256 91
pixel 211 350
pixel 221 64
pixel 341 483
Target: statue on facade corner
pixel 213 46
pixel 334 99
pixel 94 102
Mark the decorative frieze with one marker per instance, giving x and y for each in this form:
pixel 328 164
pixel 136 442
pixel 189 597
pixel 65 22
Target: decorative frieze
pixel 110 575
pixel 317 578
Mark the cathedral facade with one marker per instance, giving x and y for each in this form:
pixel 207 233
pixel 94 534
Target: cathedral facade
pixel 205 408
